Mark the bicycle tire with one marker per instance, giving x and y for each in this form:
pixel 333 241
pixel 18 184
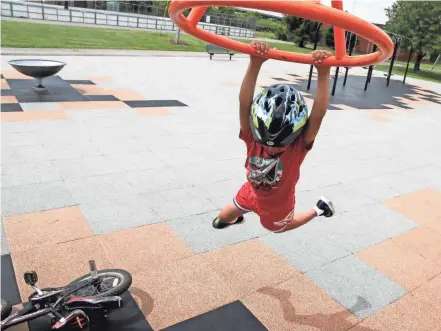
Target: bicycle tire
pixel 6 309
pixel 124 284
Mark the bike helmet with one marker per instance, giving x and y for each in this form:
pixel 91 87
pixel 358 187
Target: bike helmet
pixel 278 115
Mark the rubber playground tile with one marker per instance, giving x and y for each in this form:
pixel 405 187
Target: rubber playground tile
pixel 35 197
pixel 423 241
pixel 367 226
pixel 153 111
pixel 307 247
pixel 59 264
pixel 9 287
pixel 27 231
pixel 199 234
pixel 298 304
pixel 33 116
pixel 430 291
pixel 180 290
pixel 402 265
pixel 435 225
pixel 90 105
pixel 232 317
pixel 10 107
pixel 421 206
pixel 249 265
pixel 357 286
pixel 8 99
pixel 411 312
pixel 155 245
pixel 154 103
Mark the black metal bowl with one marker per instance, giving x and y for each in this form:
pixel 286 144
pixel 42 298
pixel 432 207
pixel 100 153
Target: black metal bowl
pixel 37 68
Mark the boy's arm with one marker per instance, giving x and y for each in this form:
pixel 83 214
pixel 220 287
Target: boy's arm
pixel 319 107
pixel 249 85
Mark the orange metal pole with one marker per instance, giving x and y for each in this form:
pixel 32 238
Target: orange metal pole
pixel 339 34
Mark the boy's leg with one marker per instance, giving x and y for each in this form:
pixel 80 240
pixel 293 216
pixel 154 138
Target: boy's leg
pixel 324 207
pixel 230 214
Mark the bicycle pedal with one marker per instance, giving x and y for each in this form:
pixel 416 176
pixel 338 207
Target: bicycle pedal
pixel 31 277
pixel 76 320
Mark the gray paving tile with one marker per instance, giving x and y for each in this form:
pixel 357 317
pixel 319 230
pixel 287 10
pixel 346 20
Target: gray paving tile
pixel 58 150
pixel 154 180
pixel 4 240
pixel 367 226
pixel 356 286
pixel 38 106
pixel 23 154
pixel 116 214
pixel 35 197
pixel 199 234
pixel 28 173
pixel 179 203
pixel 89 189
pixel 14 139
pixel 306 247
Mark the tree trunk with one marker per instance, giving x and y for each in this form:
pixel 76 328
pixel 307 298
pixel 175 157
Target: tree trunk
pixel 420 56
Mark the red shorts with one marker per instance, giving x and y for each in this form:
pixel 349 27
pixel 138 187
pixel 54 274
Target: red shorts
pixel 273 219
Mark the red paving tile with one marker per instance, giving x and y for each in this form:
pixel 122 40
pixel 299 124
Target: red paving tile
pixel 298 304
pixel 151 245
pixel 127 95
pixel 180 290
pixel 5 85
pixel 402 265
pixel 423 241
pixel 249 266
pixel 32 116
pixel 153 111
pixel 58 264
pixel 14 74
pixel 431 291
pixel 89 89
pixel 90 105
pixel 50 227
pixel 435 225
pixel 421 206
pixel 409 313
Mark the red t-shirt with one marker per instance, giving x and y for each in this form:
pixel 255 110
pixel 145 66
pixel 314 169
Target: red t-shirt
pixel 273 179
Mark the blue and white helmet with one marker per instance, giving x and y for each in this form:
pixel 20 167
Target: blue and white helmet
pixel 278 115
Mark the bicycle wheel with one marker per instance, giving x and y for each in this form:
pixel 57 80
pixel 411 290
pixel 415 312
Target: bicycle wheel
pixel 6 309
pixel 111 282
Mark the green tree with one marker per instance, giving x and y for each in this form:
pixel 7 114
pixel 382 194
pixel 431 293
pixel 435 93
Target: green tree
pixel 421 22
pixel 299 30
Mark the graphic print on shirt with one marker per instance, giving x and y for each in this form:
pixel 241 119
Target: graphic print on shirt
pixel 265 173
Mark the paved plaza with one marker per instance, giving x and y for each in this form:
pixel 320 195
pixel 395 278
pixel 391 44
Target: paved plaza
pixel 129 157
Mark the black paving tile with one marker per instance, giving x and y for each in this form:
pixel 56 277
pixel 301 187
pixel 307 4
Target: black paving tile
pixel 9 284
pixel 10 107
pixel 232 317
pixel 80 81
pixel 155 103
pixel 7 92
pixel 102 98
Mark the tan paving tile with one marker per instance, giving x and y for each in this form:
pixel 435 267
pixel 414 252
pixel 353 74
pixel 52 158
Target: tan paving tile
pixel 32 116
pixel 431 291
pixel 421 206
pixel 180 290
pixel 407 313
pixel 89 105
pixel 58 264
pixel 8 99
pixel 153 111
pixel 298 304
pixel 127 95
pixel 14 74
pixel 404 266
pixel 434 225
pixel 100 78
pixel 380 116
pixel 249 266
pixel 31 230
pixel 152 245
pixel 423 241
pixel 309 102
pixel 5 85
pixel 89 89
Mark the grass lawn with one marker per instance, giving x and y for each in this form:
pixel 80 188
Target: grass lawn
pixel 266 34
pixel 425 73
pixel 38 35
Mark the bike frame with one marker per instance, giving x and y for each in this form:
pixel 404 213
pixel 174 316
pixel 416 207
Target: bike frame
pixel 31 311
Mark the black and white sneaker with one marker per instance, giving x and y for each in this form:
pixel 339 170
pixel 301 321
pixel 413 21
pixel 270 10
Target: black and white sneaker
pixel 326 207
pixel 218 224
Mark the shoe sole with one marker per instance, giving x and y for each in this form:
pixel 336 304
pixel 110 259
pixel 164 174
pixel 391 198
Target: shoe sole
pixel 235 223
pixel 329 203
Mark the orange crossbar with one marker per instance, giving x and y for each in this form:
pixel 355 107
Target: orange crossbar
pixel 339 34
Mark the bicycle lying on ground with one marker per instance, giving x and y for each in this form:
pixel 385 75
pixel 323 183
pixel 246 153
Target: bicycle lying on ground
pixel 72 307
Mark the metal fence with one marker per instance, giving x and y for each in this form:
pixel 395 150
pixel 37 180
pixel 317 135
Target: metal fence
pixel 48 12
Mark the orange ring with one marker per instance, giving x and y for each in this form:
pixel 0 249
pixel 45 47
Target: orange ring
pixel 308 9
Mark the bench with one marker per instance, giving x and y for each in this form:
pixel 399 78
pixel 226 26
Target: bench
pixel 214 49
